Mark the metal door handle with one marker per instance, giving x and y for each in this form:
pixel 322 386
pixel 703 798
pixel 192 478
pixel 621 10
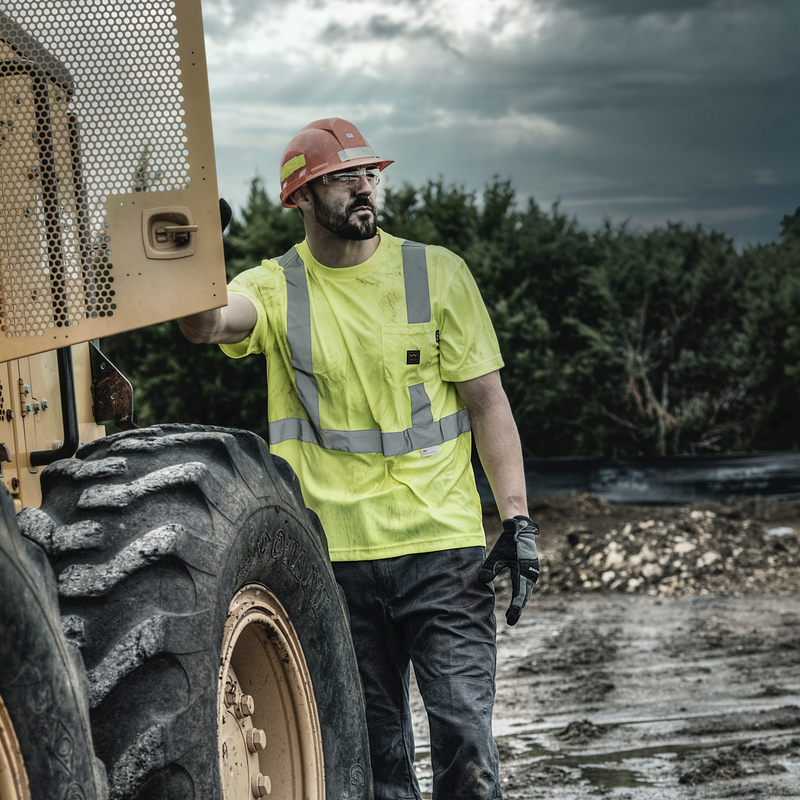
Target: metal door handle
pixel 175 233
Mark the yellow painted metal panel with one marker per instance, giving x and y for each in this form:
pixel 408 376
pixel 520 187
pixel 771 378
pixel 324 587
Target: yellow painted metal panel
pixel 104 115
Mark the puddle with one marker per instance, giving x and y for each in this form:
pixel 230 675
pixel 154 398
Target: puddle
pixel 594 769
pixel 505 728
pixel 628 769
pixel 614 778
pixel 536 751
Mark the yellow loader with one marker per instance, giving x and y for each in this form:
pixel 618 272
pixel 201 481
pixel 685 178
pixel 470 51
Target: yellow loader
pixel 170 626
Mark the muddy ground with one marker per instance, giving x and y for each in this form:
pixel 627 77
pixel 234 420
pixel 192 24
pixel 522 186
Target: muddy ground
pixel 659 657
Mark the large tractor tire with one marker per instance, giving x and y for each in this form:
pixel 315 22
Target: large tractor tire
pixel 199 590
pixel 45 741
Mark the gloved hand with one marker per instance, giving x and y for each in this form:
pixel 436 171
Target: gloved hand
pixel 225 213
pixel 515 549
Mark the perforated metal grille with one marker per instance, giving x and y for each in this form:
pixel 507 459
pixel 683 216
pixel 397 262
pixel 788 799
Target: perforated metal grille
pixel 90 107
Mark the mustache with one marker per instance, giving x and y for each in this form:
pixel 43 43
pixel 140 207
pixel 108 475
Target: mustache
pixel 363 202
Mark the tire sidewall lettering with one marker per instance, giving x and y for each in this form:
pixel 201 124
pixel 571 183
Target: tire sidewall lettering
pixel 295 562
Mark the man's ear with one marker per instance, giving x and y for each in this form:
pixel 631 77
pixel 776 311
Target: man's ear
pixel 302 198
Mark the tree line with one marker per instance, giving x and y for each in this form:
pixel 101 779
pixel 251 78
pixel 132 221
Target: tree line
pixel 616 341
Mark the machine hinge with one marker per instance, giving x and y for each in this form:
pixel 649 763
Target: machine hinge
pixel 24 392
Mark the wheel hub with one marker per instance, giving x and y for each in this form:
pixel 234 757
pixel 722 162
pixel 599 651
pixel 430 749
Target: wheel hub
pixel 13 777
pixel 269 735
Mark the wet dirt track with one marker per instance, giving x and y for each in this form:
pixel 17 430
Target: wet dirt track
pixel 646 696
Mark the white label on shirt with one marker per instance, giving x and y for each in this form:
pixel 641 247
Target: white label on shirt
pixel 429 451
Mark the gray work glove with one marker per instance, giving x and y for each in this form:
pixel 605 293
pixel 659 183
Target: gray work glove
pixel 515 549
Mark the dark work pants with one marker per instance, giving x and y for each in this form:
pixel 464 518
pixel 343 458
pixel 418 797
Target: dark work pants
pixel 430 610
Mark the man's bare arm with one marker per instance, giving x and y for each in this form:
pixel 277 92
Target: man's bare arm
pixel 497 440
pixel 227 325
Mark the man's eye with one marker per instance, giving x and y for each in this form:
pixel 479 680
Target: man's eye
pixel 373 176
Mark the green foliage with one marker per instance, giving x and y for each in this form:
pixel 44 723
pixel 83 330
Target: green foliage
pixel 616 341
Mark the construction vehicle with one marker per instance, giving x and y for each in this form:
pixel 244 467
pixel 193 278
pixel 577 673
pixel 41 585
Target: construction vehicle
pixel 169 621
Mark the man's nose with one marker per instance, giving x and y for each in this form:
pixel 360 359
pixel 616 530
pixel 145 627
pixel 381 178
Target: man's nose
pixel 363 186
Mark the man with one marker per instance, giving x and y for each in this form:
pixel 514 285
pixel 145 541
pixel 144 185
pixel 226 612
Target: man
pixel 380 361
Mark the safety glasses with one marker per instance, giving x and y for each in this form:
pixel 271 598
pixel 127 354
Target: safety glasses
pixel 350 177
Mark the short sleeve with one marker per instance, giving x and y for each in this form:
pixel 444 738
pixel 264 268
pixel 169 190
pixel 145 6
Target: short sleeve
pixel 261 287
pixel 468 346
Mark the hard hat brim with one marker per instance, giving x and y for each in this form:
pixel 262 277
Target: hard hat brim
pixel 304 179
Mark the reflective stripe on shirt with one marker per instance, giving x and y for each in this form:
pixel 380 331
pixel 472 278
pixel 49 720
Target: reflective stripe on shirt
pixel 424 431
pixel 415 279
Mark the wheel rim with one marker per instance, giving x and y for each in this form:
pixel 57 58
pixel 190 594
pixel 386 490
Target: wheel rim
pixel 269 734
pixel 13 777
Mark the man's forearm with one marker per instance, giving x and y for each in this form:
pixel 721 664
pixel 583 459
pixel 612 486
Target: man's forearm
pixel 498 443
pixel 227 325
pixel 499 448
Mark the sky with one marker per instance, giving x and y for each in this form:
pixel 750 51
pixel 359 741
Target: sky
pixel 641 110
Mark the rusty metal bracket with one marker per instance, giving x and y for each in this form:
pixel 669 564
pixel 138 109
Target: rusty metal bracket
pixel 24 392
pixel 112 392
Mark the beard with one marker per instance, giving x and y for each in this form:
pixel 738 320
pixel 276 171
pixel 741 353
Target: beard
pixel 341 223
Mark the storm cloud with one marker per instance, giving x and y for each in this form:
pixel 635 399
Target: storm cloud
pixel 647 110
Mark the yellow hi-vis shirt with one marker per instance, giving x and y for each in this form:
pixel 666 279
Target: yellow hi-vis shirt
pixel 361 365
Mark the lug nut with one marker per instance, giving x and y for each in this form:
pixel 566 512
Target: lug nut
pixel 230 698
pixel 256 740
pixel 245 707
pixel 261 785
pixel 45 403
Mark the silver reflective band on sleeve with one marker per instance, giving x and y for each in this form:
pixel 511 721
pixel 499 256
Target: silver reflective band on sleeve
pixel 424 432
pixel 356 152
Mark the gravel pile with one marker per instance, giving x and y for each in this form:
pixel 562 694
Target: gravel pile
pixel 743 547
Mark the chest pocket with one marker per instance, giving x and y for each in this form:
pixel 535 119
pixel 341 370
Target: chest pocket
pixel 410 354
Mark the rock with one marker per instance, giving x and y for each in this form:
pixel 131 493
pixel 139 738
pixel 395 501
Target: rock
pixel 615 556
pixel 646 554
pixel 707 559
pixel 739 548
pixel 652 571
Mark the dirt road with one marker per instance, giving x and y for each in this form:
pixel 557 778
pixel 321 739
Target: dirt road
pixel 650 695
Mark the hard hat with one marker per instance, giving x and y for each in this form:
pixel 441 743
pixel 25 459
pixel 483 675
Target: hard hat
pixel 323 146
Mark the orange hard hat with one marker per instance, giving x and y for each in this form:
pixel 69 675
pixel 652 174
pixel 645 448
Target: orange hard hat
pixel 323 146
